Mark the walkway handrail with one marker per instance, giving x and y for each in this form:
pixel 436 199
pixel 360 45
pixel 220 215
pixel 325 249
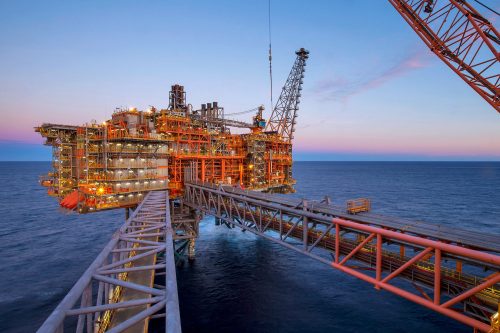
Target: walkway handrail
pixel 173 317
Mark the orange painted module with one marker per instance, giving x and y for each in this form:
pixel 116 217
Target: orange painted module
pixel 113 164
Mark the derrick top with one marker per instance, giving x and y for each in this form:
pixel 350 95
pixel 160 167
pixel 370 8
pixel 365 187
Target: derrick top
pixel 302 53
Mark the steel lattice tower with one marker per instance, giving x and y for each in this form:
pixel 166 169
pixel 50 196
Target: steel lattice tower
pixel 282 119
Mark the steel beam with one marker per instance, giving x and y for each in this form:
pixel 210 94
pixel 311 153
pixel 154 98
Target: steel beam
pixel 172 318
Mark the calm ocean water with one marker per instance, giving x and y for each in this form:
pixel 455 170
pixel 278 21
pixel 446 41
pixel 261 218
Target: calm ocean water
pixel 239 282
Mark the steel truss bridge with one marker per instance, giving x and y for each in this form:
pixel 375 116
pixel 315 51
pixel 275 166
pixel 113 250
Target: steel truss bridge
pixel 131 286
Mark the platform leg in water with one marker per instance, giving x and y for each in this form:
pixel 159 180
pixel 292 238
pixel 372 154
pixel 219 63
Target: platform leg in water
pixel 191 249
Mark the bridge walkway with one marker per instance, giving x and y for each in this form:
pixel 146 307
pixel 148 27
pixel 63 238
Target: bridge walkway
pixel 467 238
pixel 116 293
pixel 447 272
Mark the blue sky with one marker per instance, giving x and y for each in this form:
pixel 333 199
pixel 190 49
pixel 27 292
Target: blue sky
pixel 372 91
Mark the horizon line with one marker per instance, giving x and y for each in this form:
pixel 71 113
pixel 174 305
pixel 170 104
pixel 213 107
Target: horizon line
pixel 326 161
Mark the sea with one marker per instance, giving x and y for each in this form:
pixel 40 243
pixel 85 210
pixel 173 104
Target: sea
pixel 240 282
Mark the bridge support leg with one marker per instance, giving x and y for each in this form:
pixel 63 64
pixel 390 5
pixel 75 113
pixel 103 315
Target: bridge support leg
pixel 185 222
pixel 191 249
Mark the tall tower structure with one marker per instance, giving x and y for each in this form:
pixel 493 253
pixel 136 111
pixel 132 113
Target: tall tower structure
pixel 282 120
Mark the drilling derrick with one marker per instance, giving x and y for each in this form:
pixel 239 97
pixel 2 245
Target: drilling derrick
pixel 282 120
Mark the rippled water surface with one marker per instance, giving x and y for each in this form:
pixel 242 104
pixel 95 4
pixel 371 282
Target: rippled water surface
pixel 239 282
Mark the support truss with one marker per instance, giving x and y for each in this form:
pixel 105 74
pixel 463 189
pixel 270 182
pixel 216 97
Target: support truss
pixel 462 38
pixel 373 254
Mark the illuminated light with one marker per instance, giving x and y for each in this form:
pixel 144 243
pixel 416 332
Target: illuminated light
pixel 118 184
pixel 250 166
pixel 141 171
pixel 104 123
pixel 100 190
pixel 121 159
pixel 127 184
pixel 130 195
pixel 137 183
pixel 120 196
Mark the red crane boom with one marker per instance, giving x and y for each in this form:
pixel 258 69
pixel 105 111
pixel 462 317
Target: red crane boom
pixel 461 37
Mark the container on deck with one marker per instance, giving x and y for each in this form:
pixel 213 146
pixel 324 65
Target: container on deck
pixel 358 205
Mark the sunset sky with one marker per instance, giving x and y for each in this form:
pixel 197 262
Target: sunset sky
pixel 372 91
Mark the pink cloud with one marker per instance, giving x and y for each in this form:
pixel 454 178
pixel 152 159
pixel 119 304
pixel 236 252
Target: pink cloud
pixel 342 88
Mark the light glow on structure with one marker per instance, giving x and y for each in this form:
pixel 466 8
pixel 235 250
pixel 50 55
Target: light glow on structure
pixel 169 144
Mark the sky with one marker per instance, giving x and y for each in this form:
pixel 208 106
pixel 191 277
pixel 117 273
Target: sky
pixel 372 91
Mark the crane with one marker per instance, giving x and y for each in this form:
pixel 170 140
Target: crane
pixel 462 38
pixel 453 30
pixel 282 120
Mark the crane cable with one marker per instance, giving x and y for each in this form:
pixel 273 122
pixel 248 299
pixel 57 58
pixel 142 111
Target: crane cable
pixel 270 53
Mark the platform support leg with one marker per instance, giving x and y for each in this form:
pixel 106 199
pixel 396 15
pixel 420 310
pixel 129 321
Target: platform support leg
pixel 191 249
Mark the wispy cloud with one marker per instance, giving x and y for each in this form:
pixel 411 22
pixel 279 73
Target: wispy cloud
pixel 342 88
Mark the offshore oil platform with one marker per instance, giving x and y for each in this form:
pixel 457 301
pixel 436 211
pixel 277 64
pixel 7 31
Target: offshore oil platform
pixel 114 164
pixel 179 163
